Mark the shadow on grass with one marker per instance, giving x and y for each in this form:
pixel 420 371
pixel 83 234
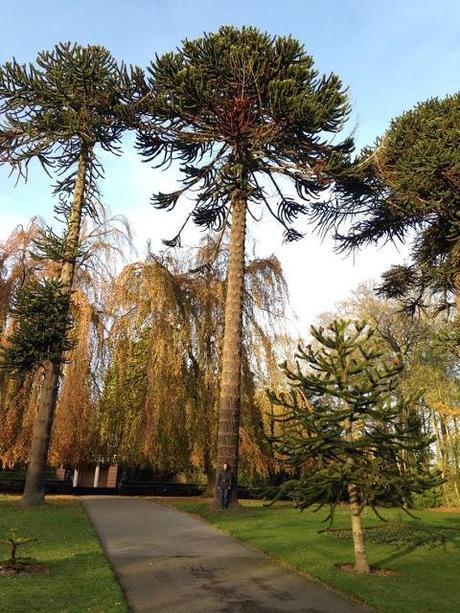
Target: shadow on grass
pixel 403 537
pixel 449 538
pixel 399 553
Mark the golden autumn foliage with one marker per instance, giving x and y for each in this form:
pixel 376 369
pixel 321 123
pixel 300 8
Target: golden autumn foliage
pixel 17 397
pixel 79 389
pixel 159 404
pixel 140 385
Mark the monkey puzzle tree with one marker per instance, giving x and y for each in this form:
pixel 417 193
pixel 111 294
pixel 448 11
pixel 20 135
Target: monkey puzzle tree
pixel 60 111
pixel 410 188
pixel 245 113
pixel 342 428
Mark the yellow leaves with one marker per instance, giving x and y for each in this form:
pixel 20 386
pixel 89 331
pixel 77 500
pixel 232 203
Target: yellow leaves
pixel 74 434
pixel 446 409
pixel 142 381
pixel 17 410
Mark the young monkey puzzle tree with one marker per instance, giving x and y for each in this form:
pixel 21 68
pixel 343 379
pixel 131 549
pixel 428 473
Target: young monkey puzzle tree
pixel 342 428
pixel 241 110
pixel 58 111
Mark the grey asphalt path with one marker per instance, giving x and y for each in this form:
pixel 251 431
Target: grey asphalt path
pixel 169 562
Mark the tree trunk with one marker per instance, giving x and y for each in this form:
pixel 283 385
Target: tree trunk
pixel 457 287
pixel 34 490
pixel 361 563
pixel 230 388
pixel 210 482
pixel 454 447
pixel 440 455
pixel 14 549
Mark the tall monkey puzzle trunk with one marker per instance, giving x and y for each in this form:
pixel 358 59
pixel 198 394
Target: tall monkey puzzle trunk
pixel 457 295
pixel 34 489
pixel 230 386
pixel 456 278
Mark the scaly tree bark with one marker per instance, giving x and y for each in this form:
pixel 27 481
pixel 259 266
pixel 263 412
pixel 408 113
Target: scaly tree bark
pixel 230 391
pixel 354 498
pixel 456 262
pixel 361 563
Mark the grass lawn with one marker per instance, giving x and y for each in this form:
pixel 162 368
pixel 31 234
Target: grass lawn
pixel 79 577
pixel 427 579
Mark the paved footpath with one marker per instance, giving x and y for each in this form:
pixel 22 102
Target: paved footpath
pixel 169 562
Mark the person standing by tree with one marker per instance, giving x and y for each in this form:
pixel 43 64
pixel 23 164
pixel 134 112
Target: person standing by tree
pixel 224 485
pixel 246 114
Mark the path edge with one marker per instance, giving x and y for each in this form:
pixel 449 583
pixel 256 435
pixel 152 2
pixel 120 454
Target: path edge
pixel 271 558
pixel 129 606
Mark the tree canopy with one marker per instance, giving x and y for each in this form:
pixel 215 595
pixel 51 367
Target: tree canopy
pixel 407 188
pixel 239 107
pixel 243 112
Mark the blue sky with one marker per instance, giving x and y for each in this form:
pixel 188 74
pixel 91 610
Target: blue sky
pixel 391 54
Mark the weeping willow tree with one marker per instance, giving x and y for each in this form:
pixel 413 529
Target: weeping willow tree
pixel 75 434
pixel 74 437
pixel 245 114
pixel 160 401
pixel 17 396
pixel 61 111
pixel 149 339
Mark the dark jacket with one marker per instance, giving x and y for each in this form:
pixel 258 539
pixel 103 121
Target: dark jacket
pixel 224 479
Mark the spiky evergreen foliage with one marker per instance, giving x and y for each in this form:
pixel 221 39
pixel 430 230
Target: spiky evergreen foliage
pixel 429 374
pixel 343 426
pixel 408 186
pixel 241 110
pixel 59 111
pixel 72 95
pixel 41 334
